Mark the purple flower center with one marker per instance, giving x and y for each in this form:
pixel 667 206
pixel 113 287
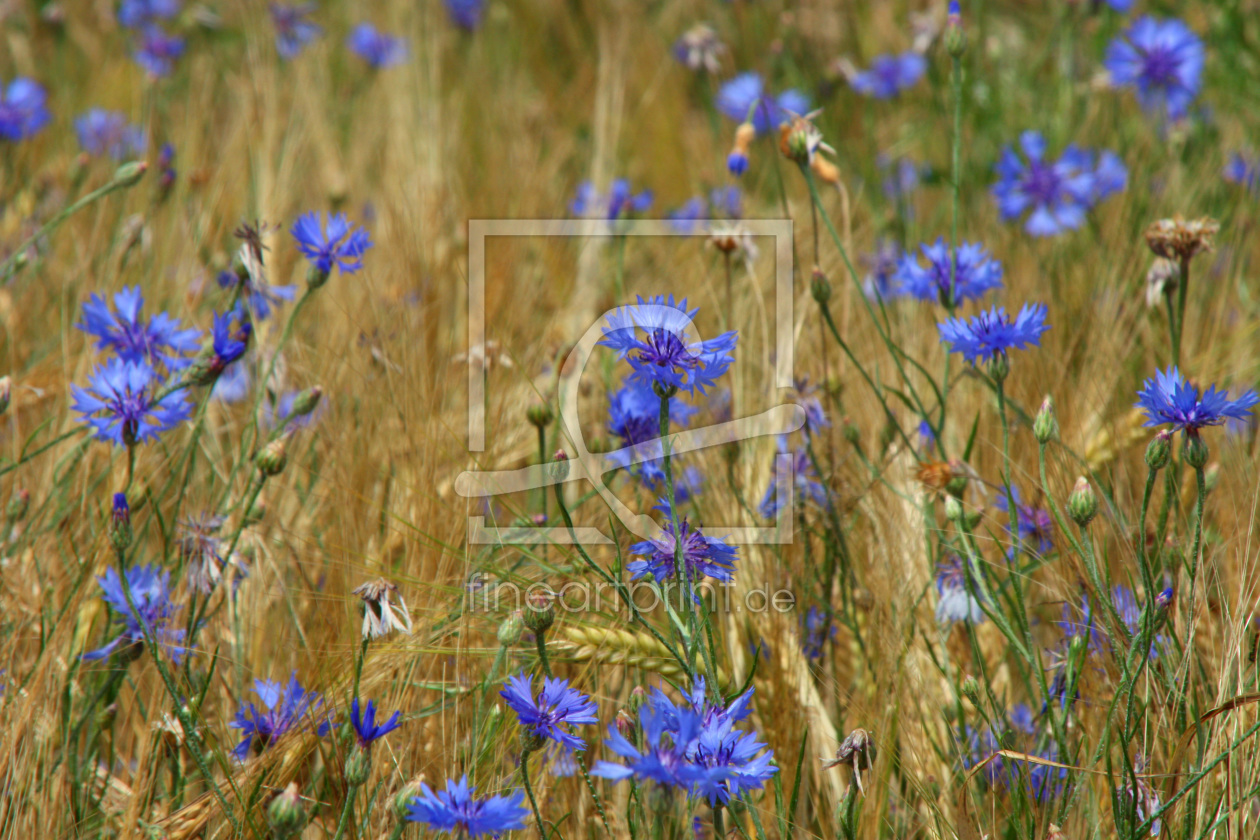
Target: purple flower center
pixel 665 349
pixel 1041 183
pixel 1159 66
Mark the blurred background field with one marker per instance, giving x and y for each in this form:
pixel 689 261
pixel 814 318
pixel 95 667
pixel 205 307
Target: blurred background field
pixel 503 117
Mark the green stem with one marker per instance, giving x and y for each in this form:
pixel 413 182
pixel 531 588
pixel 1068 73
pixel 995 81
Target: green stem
pixel 358 665
pixel 1183 286
pixel 1201 481
pixel 346 811
pixel 529 791
pixel 540 642
pixel 590 786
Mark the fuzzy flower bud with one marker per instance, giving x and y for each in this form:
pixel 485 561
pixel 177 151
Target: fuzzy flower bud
pixel 358 767
pixel 540 415
pixel 819 285
pixel 999 367
pixel 1045 424
pixel 955 37
pixel 120 533
pixel 18 506
pixel 273 457
pixel 626 724
pixel 129 174
pixel 285 814
pixel 6 393
pixel 1082 503
pixel 511 628
pixel 401 804
pixel 953 509
pixel 1195 451
pixel 540 612
pixel 971 689
pixel 559 467
pixel 305 402
pixel 737 160
pixel 1159 450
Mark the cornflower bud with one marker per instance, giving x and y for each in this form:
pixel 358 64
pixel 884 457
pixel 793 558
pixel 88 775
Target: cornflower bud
pixel 737 160
pixel 540 612
pixel 358 767
pixel 819 285
pixel 971 689
pixel 18 506
pixel 511 629
pixel 1159 451
pixel 625 724
pixel 955 37
pixel 1194 451
pixel 401 804
pixel 120 533
pixel 285 814
pixel 1045 424
pixel 559 467
pixel 953 509
pixel 306 402
pixel 999 367
pixel 272 458
pixel 539 415
pixel 1082 503
pixel 129 174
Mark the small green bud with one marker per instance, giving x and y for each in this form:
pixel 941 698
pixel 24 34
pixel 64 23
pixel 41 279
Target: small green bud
pixel 306 402
pixel 129 174
pixel 315 277
pixel 820 286
pixel 1194 451
pixel 971 519
pixel 18 506
pixel 540 415
pixel 971 689
pixel 1076 647
pixel 999 367
pixel 358 766
pixel 626 725
pixel 953 508
pixel 403 799
pixel 205 369
pixel 511 628
pixel 638 696
pixel 559 468
pixel 1082 503
pixel 1159 451
pixel 1045 424
pixel 540 612
pixel 955 37
pixel 285 814
pixel 120 533
pixel 273 457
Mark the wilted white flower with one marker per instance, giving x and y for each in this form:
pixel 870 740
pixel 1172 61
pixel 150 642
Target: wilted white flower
pixel 384 610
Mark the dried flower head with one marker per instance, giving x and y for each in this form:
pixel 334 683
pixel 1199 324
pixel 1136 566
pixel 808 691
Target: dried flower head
pixel 383 609
pixel 1161 279
pixel 699 48
pixel 1178 239
pixel 857 750
pixel 800 140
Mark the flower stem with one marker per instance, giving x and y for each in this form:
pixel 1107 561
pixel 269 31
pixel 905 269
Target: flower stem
pixel 540 642
pixel 1183 286
pixel 346 811
pixel 1201 481
pixel 590 786
pixel 529 791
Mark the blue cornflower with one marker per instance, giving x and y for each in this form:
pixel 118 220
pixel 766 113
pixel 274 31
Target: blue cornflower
pixel 136 13
pixel 665 356
pixel 556 708
pixel 1121 6
pixel 890 75
pixel 817 629
pixel 378 49
pixel 702 556
pixel 293 30
pixel 231 337
pixel 1170 400
pixel 975 273
pixel 621 200
pixel 160 340
pixel 634 416
pixel 22 109
pixel 1035 527
pixel 953 600
pixel 1097 639
pixel 258 294
pixel 990 334
pixel 727 202
pixel 1162 59
pixel 687 218
pixel 1059 193
pixel 154 613
pixel 331 243
pixel 466 14
pixel 799 477
pixel 107 132
pixel 1242 169
pixel 927 437
pixel 119 403
pixel 694 747
pixel 366 729
pixel 284 707
pixel 880 282
pixel 456 811
pixel 736 98
pixel 156 51
pixel 806 395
